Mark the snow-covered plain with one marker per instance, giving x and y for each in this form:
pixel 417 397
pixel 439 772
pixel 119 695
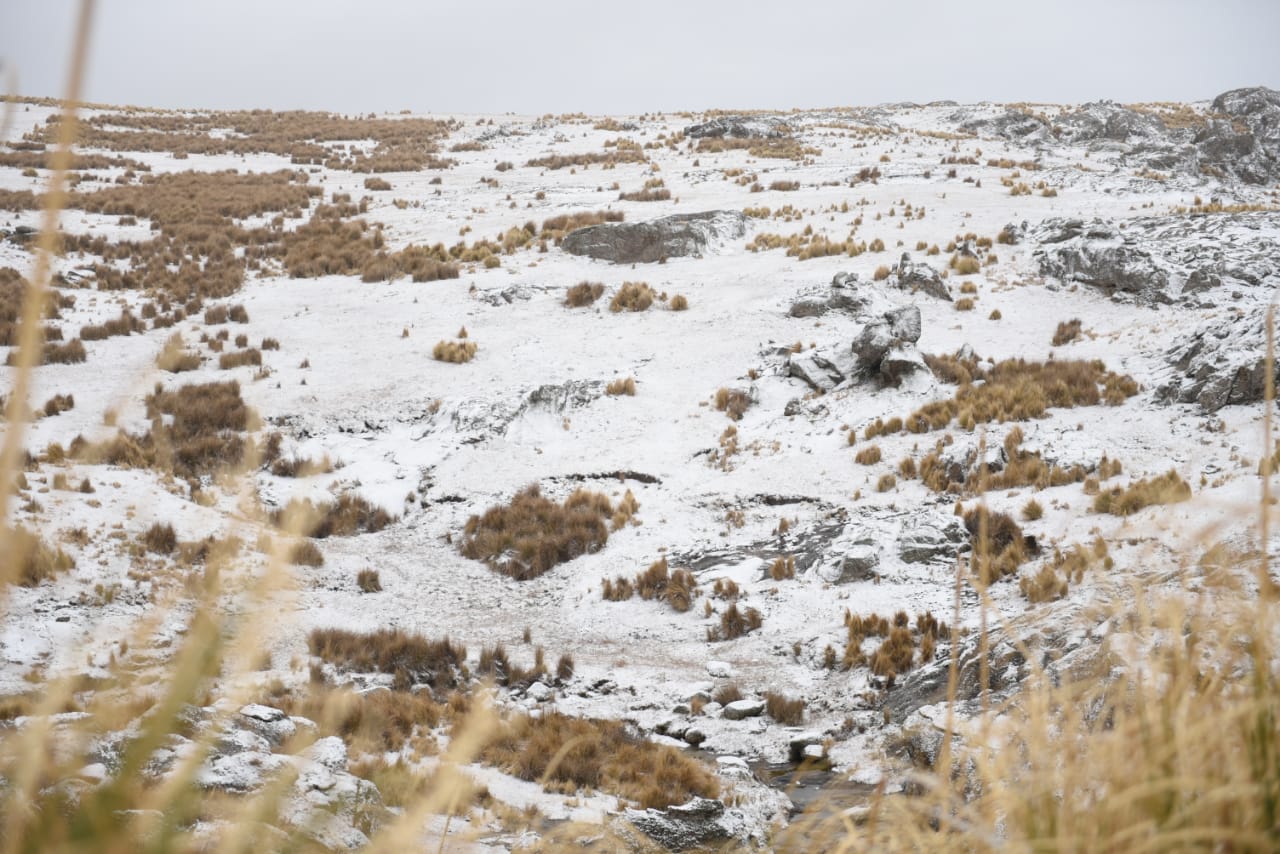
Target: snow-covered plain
pixel 435 443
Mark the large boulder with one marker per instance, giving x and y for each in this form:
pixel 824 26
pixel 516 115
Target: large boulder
pixel 1223 363
pixel 701 822
pixel 924 539
pixel 646 242
pixel 843 294
pixel 1107 120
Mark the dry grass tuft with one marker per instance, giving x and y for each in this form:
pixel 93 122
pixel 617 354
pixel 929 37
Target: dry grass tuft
pixel 160 538
pixel 454 352
pixel 735 622
pixel 532 534
pixel 598 755
pixel 621 386
pixel 784 709
pixel 583 294
pixel 1066 332
pixel 410 658
pixel 369 581
pixel 28 560
pixel 1168 488
pixel 632 296
pixel 733 402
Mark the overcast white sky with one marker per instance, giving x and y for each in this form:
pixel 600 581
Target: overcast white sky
pixel 604 57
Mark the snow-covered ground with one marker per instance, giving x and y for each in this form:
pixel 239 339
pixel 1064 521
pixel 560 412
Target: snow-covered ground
pixel 435 443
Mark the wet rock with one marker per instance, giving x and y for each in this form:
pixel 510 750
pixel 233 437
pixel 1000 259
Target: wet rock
pixel 646 242
pixel 739 127
pixel 742 709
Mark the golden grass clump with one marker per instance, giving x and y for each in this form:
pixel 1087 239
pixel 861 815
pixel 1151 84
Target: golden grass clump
pixel 583 294
pixel 733 402
pixel 568 754
pixel 785 710
pixel 1067 331
pixel 1168 488
pixel 965 265
pixel 621 386
pixel 28 560
pixel 346 516
pixel 306 553
pixel 160 538
pixel 735 622
pixel 998 543
pixel 410 658
pixel 868 456
pixel 886 482
pixel 679 302
pixel 1018 390
pixel 454 352
pixel 632 296
pixel 369 581
pixel 783 568
pixel 532 534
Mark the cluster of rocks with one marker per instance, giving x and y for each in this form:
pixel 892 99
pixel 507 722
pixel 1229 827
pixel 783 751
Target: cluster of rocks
pixel 1239 138
pixel 1224 363
pixel 656 240
pixel 739 127
pixel 1200 260
pixel 884 348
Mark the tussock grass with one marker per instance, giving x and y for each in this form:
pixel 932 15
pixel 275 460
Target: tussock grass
pixel 1168 488
pixel 632 296
pixel 346 516
pixel 783 709
pixel 1067 331
pixel 583 294
pixel 28 560
pixel 735 622
pixel 454 352
pixel 532 534
pixel 621 386
pixel 568 754
pixel 410 658
pixel 733 402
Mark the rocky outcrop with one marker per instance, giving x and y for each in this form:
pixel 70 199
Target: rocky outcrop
pixel 916 276
pixel 1096 254
pixel 1224 363
pixel 679 828
pixel 858 563
pixel 647 242
pixel 739 127
pixel 925 539
pixel 1012 125
pixel 1247 144
pixel 1163 259
pixel 884 349
pixel 1107 120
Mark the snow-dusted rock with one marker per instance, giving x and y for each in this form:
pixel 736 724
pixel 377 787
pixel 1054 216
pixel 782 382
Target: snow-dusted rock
pixel 738 127
pixel 741 709
pixel 1223 363
pixel 720 669
pixel 645 242
pixel 858 563
pixel 916 276
pixel 924 539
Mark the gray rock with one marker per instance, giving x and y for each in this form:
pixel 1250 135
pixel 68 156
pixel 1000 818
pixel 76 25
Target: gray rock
pixel 1223 363
pixel 739 127
pixel 858 563
pixel 923 539
pixel 742 709
pixel 900 362
pixel 272 724
pixel 719 669
pixel 1248 145
pixel 1106 120
pixel 843 294
pixel 918 276
pixel 1011 124
pixel 904 323
pixel 1096 254
pixel 871 343
pixel 679 828
pixel 646 242
pixel 538 692
pixel 822 369
pixel 694 736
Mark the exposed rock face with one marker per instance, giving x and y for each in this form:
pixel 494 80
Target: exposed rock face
pixel 1011 124
pixel 1163 259
pixel 1224 363
pixel 918 276
pixel 739 127
pixel 924 539
pixel 1247 146
pixel 1096 254
pixel 646 242
pixel 1107 120
pixel 858 563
